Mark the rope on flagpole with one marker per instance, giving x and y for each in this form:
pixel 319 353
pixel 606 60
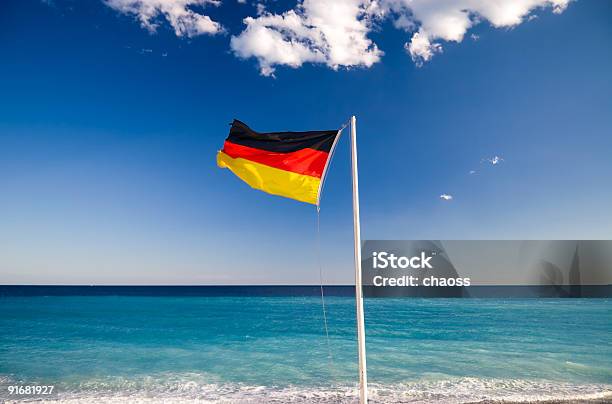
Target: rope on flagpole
pixel 330 357
pixel 325 322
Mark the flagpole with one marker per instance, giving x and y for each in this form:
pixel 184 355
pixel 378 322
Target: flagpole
pixel 363 374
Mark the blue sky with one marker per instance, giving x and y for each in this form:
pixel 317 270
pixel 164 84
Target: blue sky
pixel 108 136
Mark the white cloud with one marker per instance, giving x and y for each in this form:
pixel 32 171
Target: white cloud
pixel 261 8
pixel 495 160
pixel 446 197
pixel 334 33
pixel 449 20
pixel 404 22
pixel 422 46
pixel 179 13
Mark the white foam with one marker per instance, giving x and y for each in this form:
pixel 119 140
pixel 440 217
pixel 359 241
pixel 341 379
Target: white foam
pixel 189 389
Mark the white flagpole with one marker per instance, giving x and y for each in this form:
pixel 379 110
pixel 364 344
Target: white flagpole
pixel 363 373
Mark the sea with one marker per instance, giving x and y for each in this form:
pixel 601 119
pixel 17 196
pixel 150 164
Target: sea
pixel 250 345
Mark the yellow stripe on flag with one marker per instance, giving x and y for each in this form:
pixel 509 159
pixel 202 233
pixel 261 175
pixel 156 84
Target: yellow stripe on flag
pixel 272 180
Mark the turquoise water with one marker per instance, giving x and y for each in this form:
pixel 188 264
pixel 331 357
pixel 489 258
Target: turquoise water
pixel 274 348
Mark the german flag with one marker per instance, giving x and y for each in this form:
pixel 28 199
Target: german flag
pixel 289 164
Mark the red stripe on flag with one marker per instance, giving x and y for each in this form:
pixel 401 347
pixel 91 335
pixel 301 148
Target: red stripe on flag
pixel 305 161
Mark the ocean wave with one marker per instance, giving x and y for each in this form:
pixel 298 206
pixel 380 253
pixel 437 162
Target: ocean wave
pixel 192 388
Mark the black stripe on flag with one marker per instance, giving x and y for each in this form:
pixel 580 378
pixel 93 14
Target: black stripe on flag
pixel 281 142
